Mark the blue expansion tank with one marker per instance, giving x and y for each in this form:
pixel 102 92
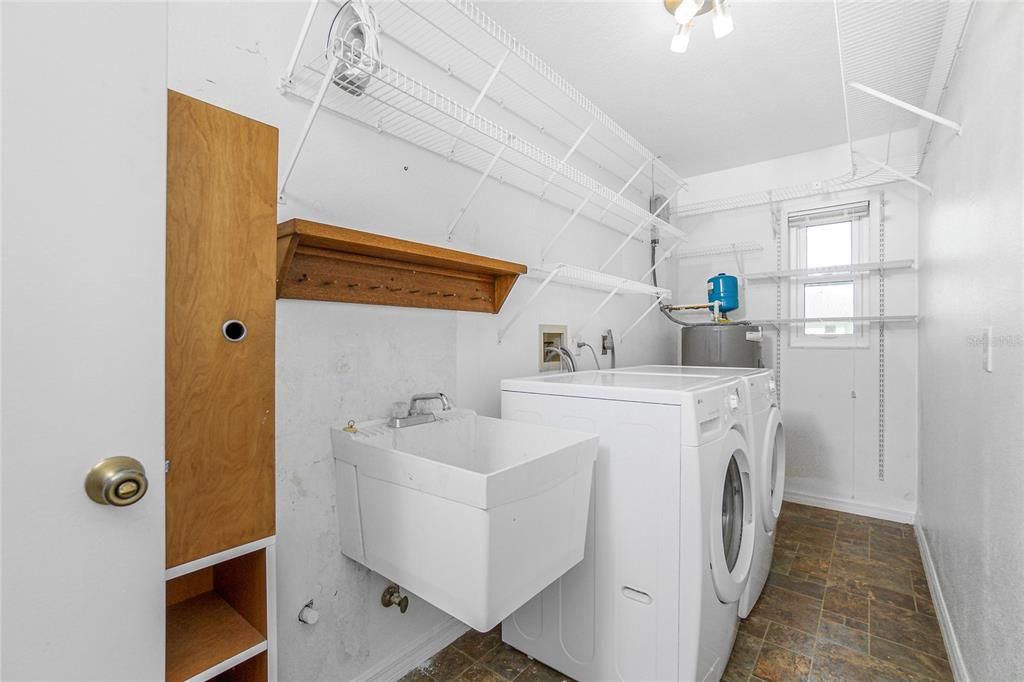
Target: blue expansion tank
pixel 726 290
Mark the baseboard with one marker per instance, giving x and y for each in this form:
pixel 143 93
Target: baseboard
pixel 956 659
pixel 432 641
pixel 851 507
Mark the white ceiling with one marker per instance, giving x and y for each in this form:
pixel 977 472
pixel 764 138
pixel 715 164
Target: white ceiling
pixel 770 89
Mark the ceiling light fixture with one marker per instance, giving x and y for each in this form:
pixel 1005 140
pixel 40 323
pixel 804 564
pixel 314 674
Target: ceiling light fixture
pixel 721 20
pixel 685 11
pixel 681 40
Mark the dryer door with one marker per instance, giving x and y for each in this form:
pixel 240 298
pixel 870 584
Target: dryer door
pixel 773 470
pixel 731 529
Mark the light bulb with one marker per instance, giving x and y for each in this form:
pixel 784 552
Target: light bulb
pixel 721 20
pixel 687 10
pixel 681 40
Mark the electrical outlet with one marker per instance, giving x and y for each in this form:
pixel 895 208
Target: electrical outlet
pixel 986 349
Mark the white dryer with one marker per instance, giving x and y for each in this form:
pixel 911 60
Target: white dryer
pixel 767 440
pixel 670 535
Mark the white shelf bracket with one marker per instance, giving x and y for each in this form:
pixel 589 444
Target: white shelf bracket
pixel 662 259
pixel 543 285
pixel 294 61
pixel 572 149
pixel 632 234
pixel 308 125
pixel 626 185
pixel 565 226
pixel 479 98
pixel 901 175
pixel 647 312
pixel 583 204
pixel 599 308
pixel 472 195
pixel 906 106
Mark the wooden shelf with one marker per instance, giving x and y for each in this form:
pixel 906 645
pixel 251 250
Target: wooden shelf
pixel 325 263
pixel 204 631
pixel 217 619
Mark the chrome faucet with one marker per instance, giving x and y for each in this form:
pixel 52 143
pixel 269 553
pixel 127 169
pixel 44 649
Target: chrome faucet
pixel 418 415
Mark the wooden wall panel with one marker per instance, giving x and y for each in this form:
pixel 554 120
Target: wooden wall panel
pixel 221 261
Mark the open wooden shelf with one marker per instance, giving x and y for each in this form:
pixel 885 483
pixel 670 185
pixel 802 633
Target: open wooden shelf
pixel 325 263
pixel 204 631
pixel 217 616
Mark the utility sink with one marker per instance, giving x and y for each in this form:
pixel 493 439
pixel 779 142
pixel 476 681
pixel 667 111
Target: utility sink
pixel 473 514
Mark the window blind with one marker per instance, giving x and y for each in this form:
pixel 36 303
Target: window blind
pixel 832 214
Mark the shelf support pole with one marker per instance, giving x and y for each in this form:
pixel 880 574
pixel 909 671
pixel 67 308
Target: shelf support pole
pixel 632 234
pixel 308 125
pixel 662 259
pixel 565 225
pixel 572 149
pixel 906 106
pixel 472 195
pixel 639 319
pixel 583 204
pixel 294 61
pixel 629 182
pixel 901 175
pixel 479 99
pixel 599 308
pixel 533 296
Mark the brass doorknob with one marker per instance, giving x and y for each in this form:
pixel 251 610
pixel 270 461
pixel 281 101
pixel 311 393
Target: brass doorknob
pixel 118 481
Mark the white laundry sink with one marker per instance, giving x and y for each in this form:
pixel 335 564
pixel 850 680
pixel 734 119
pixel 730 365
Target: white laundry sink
pixel 473 514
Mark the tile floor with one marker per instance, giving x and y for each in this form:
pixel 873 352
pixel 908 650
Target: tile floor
pixel 482 657
pixel 847 600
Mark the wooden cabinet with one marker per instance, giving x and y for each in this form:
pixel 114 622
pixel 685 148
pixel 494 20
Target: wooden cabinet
pixel 220 269
pixel 221 259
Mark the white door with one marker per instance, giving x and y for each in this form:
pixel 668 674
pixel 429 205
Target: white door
pixel 82 277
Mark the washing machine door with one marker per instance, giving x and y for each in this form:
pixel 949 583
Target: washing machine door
pixel 773 470
pixel 732 519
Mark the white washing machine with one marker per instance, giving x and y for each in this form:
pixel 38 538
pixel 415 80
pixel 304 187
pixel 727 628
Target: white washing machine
pixel 767 441
pixel 670 535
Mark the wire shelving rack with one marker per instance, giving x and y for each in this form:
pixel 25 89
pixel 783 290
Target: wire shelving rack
pixel 895 62
pixel 574 275
pixel 482 100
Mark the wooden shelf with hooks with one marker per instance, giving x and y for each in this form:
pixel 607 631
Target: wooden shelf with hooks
pixel 320 262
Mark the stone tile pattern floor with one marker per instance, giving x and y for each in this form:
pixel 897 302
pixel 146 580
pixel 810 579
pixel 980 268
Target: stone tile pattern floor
pixel 846 600
pixel 482 657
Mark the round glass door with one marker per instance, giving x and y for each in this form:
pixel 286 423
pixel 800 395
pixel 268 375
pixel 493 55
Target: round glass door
pixel 731 517
pixel 732 514
pixel 773 475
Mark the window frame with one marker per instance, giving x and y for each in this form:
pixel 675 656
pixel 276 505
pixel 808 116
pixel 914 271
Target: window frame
pixel 860 236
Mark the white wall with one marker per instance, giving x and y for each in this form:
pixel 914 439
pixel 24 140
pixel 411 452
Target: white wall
pixel 338 362
pixel 832 438
pixel 972 438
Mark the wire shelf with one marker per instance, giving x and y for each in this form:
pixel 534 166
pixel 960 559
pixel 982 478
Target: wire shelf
pixel 399 105
pixel 574 275
pixel 868 176
pixel 730 248
pixel 857 268
pixel 903 319
pixel 456 36
pixel 563 150
pixel 906 50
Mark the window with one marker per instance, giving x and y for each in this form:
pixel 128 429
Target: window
pixel 828 238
